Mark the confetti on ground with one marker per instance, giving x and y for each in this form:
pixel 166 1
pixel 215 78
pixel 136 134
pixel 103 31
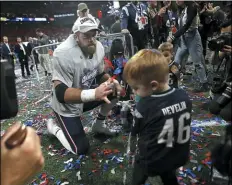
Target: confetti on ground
pixel 108 161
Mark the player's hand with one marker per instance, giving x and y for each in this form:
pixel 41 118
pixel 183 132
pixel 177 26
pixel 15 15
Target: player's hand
pixel 162 11
pixel 125 31
pixel 119 90
pixel 169 40
pixel 20 164
pixel 227 48
pixel 103 91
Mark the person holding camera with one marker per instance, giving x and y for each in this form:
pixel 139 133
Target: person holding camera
pixel 15 168
pixel 190 42
pixel 21 154
pixel 210 17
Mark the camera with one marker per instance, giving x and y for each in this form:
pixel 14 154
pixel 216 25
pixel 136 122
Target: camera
pixel 9 103
pixel 217 44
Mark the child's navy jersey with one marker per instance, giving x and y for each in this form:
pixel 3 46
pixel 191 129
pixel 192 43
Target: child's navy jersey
pixel 162 122
pixel 174 75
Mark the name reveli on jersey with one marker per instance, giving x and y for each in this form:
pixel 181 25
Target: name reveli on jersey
pixel 174 108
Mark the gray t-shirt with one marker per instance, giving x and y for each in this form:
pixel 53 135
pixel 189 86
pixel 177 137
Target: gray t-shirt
pixel 72 68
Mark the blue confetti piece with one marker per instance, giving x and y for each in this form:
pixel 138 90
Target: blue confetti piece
pixel 81 156
pixel 51 178
pixel 28 123
pixel 209 162
pixel 199 168
pixel 189 172
pixel 58 182
pixel 70 166
pixel 110 156
pixel 105 167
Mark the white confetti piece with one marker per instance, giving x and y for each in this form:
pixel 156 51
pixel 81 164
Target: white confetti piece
pixel 68 161
pixel 216 134
pixel 107 161
pixel 78 175
pixel 193 161
pixel 192 152
pixel 107 141
pixel 64 183
pixel 63 171
pixel 113 171
pixel 100 160
pixel 194 168
pixel 51 153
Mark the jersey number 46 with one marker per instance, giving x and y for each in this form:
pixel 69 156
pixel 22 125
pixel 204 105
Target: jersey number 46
pixel 166 136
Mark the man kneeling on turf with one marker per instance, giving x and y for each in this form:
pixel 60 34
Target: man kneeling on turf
pixel 162 118
pixel 78 70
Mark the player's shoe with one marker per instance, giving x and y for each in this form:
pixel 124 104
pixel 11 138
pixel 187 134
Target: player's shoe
pixel 100 127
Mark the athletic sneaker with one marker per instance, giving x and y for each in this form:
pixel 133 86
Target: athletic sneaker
pixel 100 127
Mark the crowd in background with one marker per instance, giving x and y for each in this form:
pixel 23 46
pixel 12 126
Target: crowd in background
pixel 160 23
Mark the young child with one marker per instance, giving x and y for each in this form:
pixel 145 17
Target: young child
pixel 174 73
pixel 162 118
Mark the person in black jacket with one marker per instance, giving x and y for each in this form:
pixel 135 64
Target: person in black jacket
pixel 22 53
pixel 161 120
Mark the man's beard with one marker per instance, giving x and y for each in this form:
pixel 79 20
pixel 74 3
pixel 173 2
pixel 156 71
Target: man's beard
pixel 90 50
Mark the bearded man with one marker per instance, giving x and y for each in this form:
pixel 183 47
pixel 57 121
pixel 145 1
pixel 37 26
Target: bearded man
pixel 78 70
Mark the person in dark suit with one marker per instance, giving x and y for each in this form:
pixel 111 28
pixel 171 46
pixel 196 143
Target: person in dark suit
pixel 22 52
pixel 6 52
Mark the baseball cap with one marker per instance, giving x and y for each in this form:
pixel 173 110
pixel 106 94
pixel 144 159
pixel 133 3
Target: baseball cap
pixel 84 25
pixel 82 6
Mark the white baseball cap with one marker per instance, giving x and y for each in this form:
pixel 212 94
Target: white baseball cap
pixel 84 25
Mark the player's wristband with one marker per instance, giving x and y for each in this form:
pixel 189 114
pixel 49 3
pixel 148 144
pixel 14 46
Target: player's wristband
pixel 88 95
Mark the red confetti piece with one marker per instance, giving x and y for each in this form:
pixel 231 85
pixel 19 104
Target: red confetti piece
pixel 123 137
pixel 208 154
pixel 116 151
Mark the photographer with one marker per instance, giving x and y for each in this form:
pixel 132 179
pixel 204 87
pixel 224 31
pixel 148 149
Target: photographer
pixel 210 19
pixel 21 155
pixel 221 88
